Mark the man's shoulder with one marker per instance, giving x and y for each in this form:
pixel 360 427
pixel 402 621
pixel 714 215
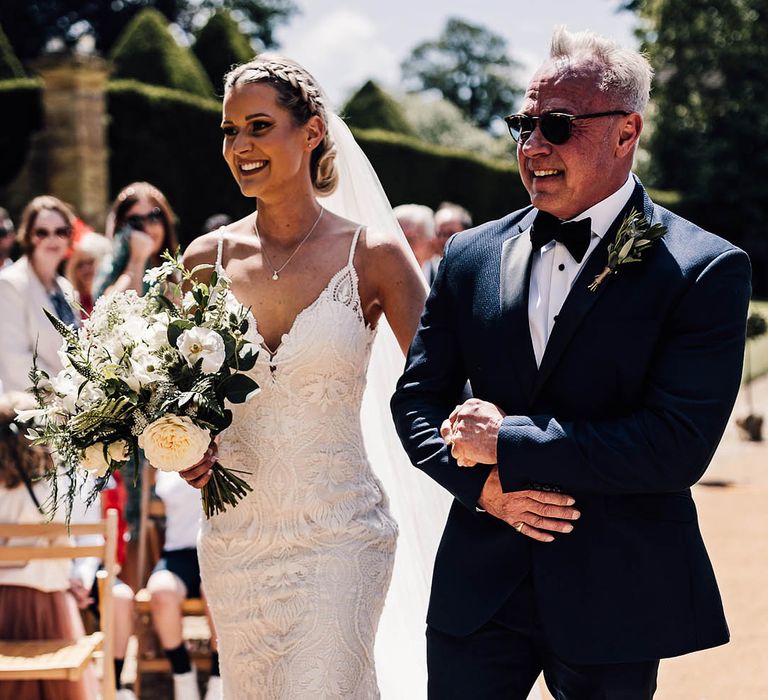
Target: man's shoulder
pixel 689 244
pixel 490 234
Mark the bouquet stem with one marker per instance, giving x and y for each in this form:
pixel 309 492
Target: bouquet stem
pixel 223 489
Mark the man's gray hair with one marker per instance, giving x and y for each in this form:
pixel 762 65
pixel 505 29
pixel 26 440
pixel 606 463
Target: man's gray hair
pixel 626 73
pixel 417 215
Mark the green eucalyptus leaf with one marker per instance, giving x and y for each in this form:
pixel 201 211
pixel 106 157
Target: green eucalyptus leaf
pixel 176 328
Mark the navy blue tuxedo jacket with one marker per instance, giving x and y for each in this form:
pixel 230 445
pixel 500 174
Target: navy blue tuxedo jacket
pixel 625 412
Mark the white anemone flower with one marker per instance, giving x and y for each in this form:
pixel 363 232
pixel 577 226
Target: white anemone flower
pixel 203 344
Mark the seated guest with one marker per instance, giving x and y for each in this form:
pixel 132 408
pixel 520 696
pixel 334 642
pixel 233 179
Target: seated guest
pixel 87 253
pixel 142 225
pixel 450 218
pixel 417 222
pixel 176 577
pixel 35 602
pixel 6 238
pixel 83 583
pixel 33 284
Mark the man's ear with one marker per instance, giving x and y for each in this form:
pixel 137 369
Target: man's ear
pixel 629 134
pixel 315 130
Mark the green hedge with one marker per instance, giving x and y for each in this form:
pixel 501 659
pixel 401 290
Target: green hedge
pixel 147 51
pixel 412 171
pixel 22 108
pixel 373 108
pixel 219 45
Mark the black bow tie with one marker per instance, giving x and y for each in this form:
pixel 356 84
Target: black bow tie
pixel 574 235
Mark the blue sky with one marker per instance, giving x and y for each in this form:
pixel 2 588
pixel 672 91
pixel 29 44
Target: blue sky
pixel 343 43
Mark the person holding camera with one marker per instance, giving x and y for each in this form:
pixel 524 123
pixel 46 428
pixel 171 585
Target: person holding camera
pixel 141 223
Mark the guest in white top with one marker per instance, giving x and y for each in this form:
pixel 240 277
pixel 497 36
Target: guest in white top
pixel 32 284
pixel 176 577
pixel 35 602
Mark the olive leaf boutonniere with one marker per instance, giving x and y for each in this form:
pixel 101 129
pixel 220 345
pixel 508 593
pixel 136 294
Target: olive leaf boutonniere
pixel 635 235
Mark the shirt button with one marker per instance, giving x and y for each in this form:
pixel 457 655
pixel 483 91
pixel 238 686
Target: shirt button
pixel 554 318
pixel 561 267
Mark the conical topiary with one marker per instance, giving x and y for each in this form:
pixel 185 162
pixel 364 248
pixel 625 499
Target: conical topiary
pixel 10 66
pixel 220 45
pixel 146 51
pixel 372 108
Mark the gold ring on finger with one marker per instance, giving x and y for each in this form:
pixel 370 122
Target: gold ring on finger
pixel 519 527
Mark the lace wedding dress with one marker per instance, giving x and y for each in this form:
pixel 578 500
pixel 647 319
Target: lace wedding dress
pixel 297 573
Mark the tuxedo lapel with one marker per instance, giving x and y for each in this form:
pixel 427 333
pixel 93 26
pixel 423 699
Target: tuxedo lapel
pixel 580 299
pixel 515 275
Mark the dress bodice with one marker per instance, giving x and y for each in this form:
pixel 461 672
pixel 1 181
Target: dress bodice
pixel 299 441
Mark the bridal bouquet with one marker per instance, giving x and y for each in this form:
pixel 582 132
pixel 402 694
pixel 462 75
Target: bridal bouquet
pixel 145 373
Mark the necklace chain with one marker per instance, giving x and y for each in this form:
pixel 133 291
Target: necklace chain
pixel 276 271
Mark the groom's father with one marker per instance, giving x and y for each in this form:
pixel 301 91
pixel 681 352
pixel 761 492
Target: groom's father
pixel 614 391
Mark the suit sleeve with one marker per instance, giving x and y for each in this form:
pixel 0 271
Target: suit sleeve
pixel 667 443
pixel 430 388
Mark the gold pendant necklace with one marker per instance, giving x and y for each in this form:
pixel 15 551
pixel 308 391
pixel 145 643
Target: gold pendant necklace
pixel 276 271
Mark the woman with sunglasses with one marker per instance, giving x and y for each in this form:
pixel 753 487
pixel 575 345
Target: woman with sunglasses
pixel 141 223
pixel 32 286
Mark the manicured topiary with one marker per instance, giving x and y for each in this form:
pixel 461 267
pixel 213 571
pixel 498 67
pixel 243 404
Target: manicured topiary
pixel 220 45
pixel 22 106
pixel 10 66
pixel 372 108
pixel 146 51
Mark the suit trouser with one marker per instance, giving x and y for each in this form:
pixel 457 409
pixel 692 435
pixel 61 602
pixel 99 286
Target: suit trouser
pixel 502 660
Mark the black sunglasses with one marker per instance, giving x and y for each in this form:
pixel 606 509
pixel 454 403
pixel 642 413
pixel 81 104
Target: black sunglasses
pixel 61 232
pixel 556 127
pixel 5 231
pixel 136 221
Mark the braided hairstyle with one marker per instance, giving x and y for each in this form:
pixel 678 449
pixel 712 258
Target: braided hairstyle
pixel 299 93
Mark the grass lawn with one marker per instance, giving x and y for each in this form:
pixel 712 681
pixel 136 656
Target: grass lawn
pixel 759 346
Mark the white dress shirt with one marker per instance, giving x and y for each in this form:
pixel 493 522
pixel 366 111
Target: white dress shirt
pixel 553 270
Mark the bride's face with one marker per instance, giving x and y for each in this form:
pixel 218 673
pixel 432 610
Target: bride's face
pixel 264 148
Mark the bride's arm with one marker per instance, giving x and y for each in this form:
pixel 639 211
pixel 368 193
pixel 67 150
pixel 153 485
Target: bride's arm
pixel 396 284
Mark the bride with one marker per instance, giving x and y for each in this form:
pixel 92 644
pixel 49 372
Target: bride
pixel 297 574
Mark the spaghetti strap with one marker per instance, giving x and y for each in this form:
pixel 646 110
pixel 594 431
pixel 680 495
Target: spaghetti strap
pixel 354 245
pixel 219 250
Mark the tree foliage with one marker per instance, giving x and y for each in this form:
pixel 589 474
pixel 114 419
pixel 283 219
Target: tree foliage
pixel 710 126
pixel 219 45
pixel 147 52
pixel 469 66
pixel 372 108
pixel 31 24
pixel 442 123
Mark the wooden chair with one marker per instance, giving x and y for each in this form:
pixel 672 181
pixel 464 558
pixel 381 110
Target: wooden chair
pixel 63 659
pixel 150 657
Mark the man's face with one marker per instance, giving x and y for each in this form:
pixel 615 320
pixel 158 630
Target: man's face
pixel 420 242
pixel 444 230
pixel 567 179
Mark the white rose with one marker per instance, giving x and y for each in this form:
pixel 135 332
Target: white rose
pixel 93 460
pixel 202 344
pixel 174 443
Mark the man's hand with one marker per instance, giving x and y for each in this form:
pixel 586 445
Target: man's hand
pixel 535 514
pixel 198 475
pixel 472 431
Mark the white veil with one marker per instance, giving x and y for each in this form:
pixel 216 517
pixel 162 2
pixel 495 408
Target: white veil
pixel 418 504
